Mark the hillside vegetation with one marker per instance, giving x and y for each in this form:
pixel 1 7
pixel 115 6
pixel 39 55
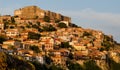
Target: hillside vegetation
pixel 8 62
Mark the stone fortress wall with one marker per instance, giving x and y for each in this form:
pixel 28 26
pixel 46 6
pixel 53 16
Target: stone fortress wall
pixel 30 12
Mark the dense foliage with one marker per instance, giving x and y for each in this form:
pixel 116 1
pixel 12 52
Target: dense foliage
pixel 91 65
pixel 65 45
pixel 8 62
pixel 2 39
pixel 114 65
pixel 49 28
pixel 62 25
pixel 107 43
pixel 46 19
pixel 32 35
pixel 39 66
pixel 73 66
pixel 35 49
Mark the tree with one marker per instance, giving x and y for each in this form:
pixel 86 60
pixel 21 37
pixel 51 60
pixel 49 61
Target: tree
pixel 53 67
pixel 48 60
pixel 35 49
pixel 101 49
pixel 86 34
pixel 46 19
pixel 35 26
pixel 91 65
pixel 57 21
pixel 12 20
pixel 12 47
pixel 65 45
pixel 73 25
pixel 28 26
pixel 73 66
pixel 39 66
pixel 2 39
pixel 70 56
pixel 62 25
pixel 49 28
pixel 107 43
pixel 38 23
pixel 15 63
pixel 12 27
pixel 22 27
pixel 40 29
pixel 5 24
pixel 32 35
pixel 36 17
pixel 16 16
pixel 114 65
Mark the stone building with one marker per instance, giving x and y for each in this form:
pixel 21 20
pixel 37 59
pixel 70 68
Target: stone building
pixel 29 12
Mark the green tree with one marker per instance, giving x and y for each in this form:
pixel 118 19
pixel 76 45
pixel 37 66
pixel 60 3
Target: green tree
pixel 22 27
pixel 32 35
pixel 35 49
pixel 73 66
pixel 38 23
pixel 101 49
pixel 53 67
pixel 16 16
pixel 71 56
pixel 107 42
pixel 87 34
pixel 6 23
pixel 65 45
pixel 2 39
pixel 48 60
pixel 12 20
pixel 35 26
pixel 114 65
pixel 46 19
pixel 40 30
pixel 91 65
pixel 36 17
pixel 39 66
pixel 106 45
pixel 28 26
pixel 49 28
pixel 12 27
pixel 11 47
pixel 14 63
pixel 73 25
pixel 57 21
pixel 62 25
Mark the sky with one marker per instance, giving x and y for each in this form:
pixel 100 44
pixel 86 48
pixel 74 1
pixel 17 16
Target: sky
pixel 103 15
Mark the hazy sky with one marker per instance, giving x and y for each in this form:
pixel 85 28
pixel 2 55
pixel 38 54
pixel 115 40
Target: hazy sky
pixel 101 15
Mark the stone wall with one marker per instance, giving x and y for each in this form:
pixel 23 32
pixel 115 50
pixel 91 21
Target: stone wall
pixel 31 12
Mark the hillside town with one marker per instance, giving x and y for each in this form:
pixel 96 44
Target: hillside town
pixel 47 37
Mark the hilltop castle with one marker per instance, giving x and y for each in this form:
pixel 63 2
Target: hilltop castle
pixel 31 12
